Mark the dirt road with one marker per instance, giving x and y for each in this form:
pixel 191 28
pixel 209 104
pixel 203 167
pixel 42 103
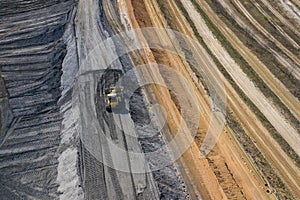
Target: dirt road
pixel 204 115
pixel 99 153
pixel 275 85
pixel 261 40
pixel 156 20
pixel 292 180
pixel 237 102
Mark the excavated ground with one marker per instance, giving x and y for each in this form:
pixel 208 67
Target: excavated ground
pixel 31 56
pixel 35 130
pixel 42 48
pixel 165 183
pixel 145 11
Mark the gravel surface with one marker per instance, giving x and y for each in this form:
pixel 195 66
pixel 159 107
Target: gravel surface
pixel 43 115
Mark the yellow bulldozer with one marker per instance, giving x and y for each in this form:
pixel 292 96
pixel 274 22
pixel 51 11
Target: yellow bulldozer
pixel 113 98
pixel 112 92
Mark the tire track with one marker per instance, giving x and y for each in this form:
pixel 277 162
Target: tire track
pixel 265 32
pixel 279 28
pixel 254 130
pixel 291 67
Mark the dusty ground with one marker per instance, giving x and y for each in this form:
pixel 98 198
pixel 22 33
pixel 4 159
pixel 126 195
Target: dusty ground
pixel 57 141
pixel 234 177
pixel 272 149
pixel 225 177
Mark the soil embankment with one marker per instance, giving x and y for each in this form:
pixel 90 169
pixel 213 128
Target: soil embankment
pixel 31 56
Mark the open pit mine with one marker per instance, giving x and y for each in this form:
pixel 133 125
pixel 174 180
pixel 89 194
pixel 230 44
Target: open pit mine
pixel 149 99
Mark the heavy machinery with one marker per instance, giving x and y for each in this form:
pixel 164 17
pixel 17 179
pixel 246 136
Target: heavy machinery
pixel 113 98
pixel 112 93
